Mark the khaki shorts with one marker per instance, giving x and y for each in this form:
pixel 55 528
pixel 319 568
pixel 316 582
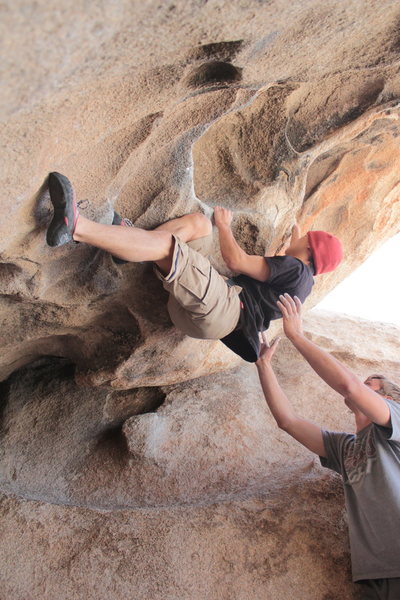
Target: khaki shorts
pixel 200 304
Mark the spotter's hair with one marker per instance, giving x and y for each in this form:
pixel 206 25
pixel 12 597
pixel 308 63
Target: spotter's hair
pixel 388 388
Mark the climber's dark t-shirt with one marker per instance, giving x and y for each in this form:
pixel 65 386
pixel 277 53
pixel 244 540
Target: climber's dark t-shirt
pixel 287 274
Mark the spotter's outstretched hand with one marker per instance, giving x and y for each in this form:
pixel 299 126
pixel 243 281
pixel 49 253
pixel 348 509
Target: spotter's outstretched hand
pixel 267 351
pixel 291 313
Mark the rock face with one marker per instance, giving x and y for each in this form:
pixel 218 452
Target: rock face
pixel 279 112
pixel 199 497
pixel 133 456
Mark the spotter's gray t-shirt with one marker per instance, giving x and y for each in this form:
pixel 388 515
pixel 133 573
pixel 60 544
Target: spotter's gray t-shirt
pixel 369 463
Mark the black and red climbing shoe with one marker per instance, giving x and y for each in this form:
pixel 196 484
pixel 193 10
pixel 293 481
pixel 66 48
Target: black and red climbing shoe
pixel 124 222
pixel 118 220
pixel 62 196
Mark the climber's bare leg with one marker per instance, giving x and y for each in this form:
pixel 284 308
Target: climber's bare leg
pixel 137 245
pixel 188 228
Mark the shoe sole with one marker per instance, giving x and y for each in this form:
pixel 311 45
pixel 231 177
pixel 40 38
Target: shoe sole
pixel 62 196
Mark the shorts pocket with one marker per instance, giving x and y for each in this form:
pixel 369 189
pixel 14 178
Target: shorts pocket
pixel 197 280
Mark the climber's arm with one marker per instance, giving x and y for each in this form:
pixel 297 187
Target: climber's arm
pixel 234 256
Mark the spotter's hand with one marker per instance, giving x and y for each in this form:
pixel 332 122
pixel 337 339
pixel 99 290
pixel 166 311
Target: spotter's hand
pixel 291 309
pixel 267 351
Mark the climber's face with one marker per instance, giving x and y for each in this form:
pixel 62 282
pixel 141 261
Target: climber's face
pixel 300 248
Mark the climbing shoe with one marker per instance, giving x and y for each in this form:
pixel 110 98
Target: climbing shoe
pixel 62 196
pixel 118 220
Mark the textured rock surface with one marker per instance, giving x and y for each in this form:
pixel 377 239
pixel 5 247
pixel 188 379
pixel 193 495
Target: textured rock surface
pixel 280 111
pixel 136 462
pixel 250 549
pixel 203 497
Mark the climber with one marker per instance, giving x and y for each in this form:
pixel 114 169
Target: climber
pixel 369 460
pixel 202 303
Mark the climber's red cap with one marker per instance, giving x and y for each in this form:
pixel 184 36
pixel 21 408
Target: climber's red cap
pixel 326 249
